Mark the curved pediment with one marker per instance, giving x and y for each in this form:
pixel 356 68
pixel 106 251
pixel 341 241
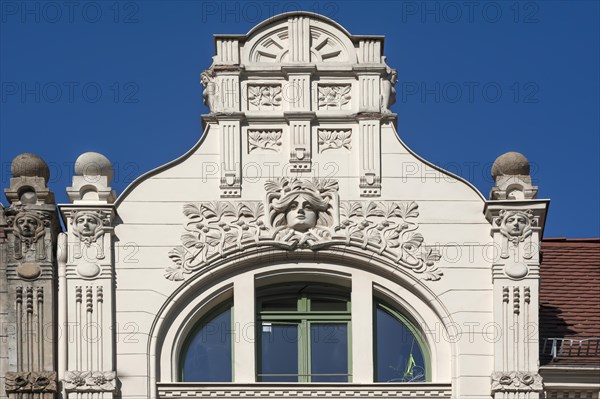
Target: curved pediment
pixel 298 38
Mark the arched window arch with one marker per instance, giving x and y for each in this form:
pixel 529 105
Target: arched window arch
pixel 304 334
pixel 207 351
pixel 400 352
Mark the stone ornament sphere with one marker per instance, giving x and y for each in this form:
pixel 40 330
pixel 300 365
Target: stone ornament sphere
pixel 511 164
pixel 516 270
pixel 93 164
pixel 29 165
pixel 29 271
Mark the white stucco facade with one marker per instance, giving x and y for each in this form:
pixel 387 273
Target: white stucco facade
pixel 298 107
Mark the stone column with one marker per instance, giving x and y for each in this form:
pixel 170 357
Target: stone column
pixel 517 227
pixel 29 283
pixel 86 279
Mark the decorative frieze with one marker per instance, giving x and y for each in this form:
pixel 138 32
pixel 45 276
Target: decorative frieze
pixel 264 97
pixel 433 391
pixel 302 213
pixel 264 139
pixel 516 381
pixel 331 139
pixel 28 382
pixel 90 381
pixel 334 96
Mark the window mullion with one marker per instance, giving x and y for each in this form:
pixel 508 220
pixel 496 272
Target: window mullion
pixel 303 354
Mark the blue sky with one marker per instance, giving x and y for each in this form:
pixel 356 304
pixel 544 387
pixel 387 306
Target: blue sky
pixel 476 79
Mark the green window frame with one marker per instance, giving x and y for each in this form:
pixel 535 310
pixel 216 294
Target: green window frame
pixel 304 309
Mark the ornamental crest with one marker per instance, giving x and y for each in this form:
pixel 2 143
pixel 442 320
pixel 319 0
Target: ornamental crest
pixel 302 213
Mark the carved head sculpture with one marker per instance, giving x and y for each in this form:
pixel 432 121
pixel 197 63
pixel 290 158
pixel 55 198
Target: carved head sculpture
pixel 205 78
pixel 516 224
pixel 26 225
pixel 88 226
pixel 300 205
pixel 393 76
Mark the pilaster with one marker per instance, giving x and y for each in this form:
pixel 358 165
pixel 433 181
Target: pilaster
pixel 230 130
pixel 517 228
pixel 369 131
pixel 300 140
pixel 86 281
pixel 29 276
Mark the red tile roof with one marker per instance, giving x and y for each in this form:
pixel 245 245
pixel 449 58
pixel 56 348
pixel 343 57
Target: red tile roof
pixel 570 301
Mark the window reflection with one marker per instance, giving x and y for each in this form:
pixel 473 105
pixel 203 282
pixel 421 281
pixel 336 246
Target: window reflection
pixel 207 355
pixel 399 357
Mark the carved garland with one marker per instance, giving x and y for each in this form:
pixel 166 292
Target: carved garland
pixel 90 381
pixel 302 213
pixel 516 381
pixel 30 382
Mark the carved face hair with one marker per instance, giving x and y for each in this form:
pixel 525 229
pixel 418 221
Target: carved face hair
pixel 86 225
pixel 301 214
pixel 27 226
pixel 516 223
pixel 300 211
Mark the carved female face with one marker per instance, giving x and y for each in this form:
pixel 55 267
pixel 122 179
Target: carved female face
pixel 27 226
pixel 86 225
pixel 516 224
pixel 300 215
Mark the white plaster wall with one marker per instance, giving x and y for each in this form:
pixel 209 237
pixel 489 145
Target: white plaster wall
pixel 451 216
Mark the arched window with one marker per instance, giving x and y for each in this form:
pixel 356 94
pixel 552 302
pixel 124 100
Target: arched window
pixel 303 334
pixel 401 354
pixel 206 355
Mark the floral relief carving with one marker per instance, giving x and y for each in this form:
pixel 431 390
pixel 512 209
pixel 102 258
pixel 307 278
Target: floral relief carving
pixel 30 381
pixel 264 97
pixel 334 97
pixel 302 213
pixel 334 139
pixel 90 381
pixel 516 381
pixel 269 140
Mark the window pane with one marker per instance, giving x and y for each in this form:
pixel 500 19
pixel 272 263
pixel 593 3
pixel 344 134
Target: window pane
pixel 328 305
pixel 279 347
pixel 399 357
pixel 281 304
pixel 329 351
pixel 208 356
